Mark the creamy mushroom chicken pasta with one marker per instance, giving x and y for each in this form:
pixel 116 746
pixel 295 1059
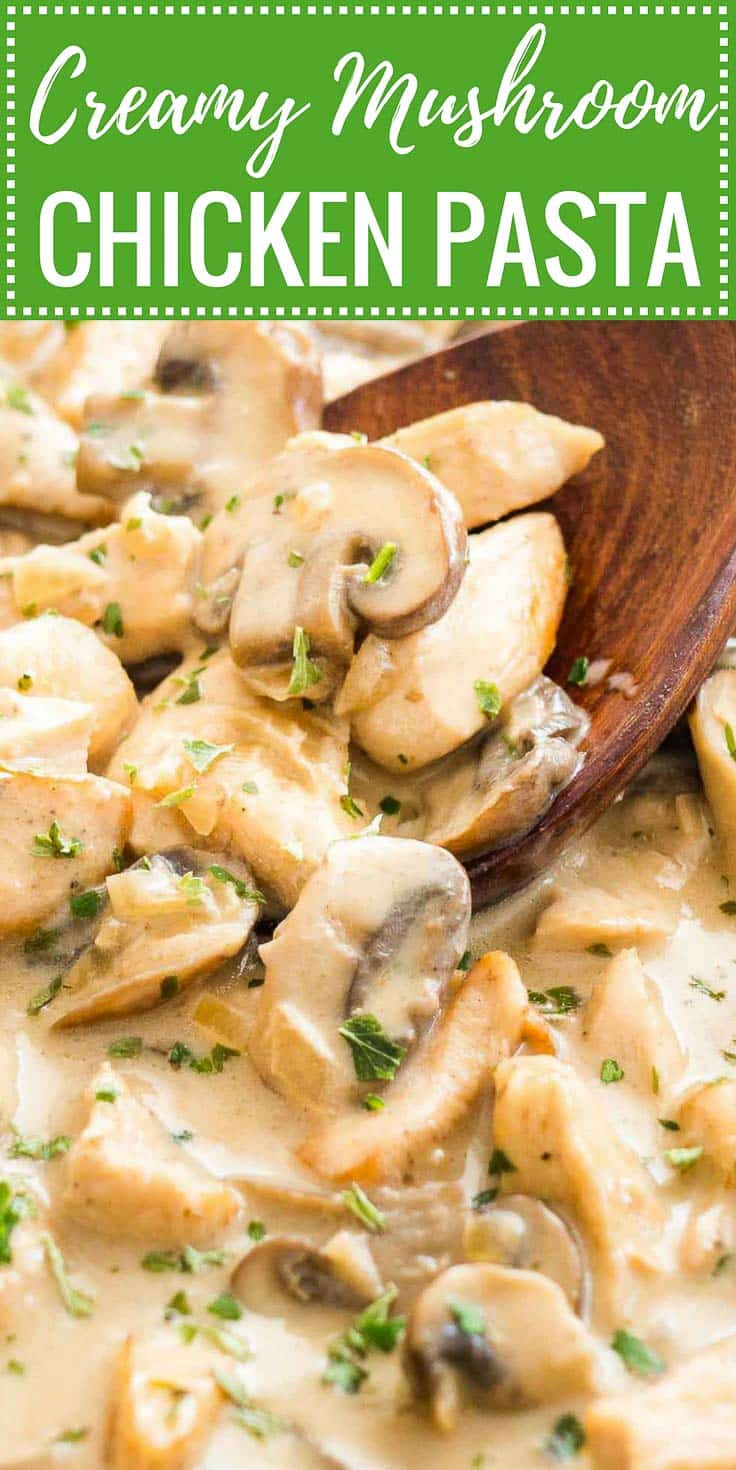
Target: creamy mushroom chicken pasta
pixel 298 1167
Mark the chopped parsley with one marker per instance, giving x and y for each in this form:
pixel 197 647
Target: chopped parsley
pixel 465 961
pixel 191 692
pixel 730 741
pixel 13 1208
pixel 112 620
pixel 77 1303
pixel 305 672
pixel 169 987
pixel 44 997
pixel 729 907
pixel 375 1327
pixel 390 805
pixel 223 875
pixel 669 1124
pixel 202 755
pixel 106 1095
pixel 373 1103
pixel 488 698
pixel 126 1046
pixel 567 1438
pixel 364 1210
pixel 485 1197
pixel 467 1316
pixel 500 1163
pixel 381 562
pixel 54 844
pixel 128 458
pixel 40 941
pixel 180 1055
pixel 697 984
pixel 226 1307
pixel 611 1071
pixel 232 504
pixel 683 1159
pixel 37 1148
pixel 87 905
pixel 635 1354
pixel 578 670
pixel 98 554
pixel 193 888
pixel 375 1056
pixel 559 1000
pixel 190 1260
pixel 295 559
pixel 177 798
pixel 17 398
pixel 256 1230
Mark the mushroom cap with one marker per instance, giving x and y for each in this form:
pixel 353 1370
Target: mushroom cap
pixel 377 930
pixel 519 1230
pixel 308 535
pixel 502 1338
pixel 283 1266
pixel 499 785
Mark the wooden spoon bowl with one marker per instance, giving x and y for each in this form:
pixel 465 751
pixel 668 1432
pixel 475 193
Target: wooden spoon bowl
pixel 650 527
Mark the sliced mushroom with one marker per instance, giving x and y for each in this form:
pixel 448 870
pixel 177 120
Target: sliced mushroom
pixel 522 1232
pixel 229 397
pixel 274 799
pixel 58 657
pixel 498 457
pixel 164 1403
pixel 132 582
pixel 337 1275
pixel 502 1338
pixel 435 1089
pixel 378 930
pixel 712 717
pixel 501 784
pixel 561 1149
pixel 124 1175
pixel 311 536
pixel 172 919
pixel 58 835
pixel 37 456
pixel 418 698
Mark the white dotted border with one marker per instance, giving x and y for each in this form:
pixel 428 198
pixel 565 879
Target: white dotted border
pixel 326 312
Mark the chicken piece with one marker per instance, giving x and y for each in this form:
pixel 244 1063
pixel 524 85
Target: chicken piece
pixel 164 1404
pixel 97 357
pixel 414 699
pixel 274 798
pixel 712 725
pixel 439 1084
pixel 59 835
pixel 708 1120
pixel 686 1421
pixel 496 456
pixel 171 922
pixel 62 658
pixel 230 395
pixel 131 582
pixel 625 1018
pixel 505 1338
pixel 378 929
pixel 124 1175
pixel 44 736
pixel 562 1149
pixel 37 457
pixel 585 915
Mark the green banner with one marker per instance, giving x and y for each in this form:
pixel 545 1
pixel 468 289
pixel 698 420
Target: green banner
pixel 469 160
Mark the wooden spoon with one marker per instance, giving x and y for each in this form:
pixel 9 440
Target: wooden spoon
pixel 650 527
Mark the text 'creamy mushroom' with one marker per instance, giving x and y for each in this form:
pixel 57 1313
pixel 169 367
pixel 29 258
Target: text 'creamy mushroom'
pixel 336 535
pixel 230 395
pixel 172 918
pixel 417 698
pixel 501 1338
pixel 502 783
pixel 358 967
